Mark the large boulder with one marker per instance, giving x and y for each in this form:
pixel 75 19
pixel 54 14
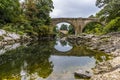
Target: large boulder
pixel 14 36
pixel 7 38
pixel 83 74
pixel 2 32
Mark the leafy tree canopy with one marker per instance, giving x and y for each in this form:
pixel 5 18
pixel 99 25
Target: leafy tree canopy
pixel 110 9
pixel 37 11
pixel 112 26
pixel 93 27
pixel 9 10
pixel 63 27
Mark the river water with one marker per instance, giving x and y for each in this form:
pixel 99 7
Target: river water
pixel 46 60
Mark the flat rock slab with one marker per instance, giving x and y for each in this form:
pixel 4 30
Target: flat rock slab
pixel 83 74
pixel 113 75
pixel 108 74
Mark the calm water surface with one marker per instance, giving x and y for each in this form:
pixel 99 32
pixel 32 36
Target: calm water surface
pixel 54 60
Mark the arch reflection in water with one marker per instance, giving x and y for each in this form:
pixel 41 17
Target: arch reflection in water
pixel 63 46
pixel 40 61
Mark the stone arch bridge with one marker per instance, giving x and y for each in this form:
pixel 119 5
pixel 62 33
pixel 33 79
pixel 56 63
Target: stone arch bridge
pixel 77 23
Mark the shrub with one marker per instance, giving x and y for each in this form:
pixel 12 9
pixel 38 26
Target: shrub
pixel 43 30
pixel 94 28
pixel 1 38
pixel 20 33
pixel 112 26
pixel 9 27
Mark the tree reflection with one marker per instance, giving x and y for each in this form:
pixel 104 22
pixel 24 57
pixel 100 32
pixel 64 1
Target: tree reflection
pixel 33 60
pixel 36 57
pixel 62 46
pixel 63 42
pixel 84 51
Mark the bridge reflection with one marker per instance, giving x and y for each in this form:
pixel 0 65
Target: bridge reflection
pixel 63 46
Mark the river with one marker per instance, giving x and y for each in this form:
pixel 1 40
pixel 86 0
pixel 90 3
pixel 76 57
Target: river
pixel 46 60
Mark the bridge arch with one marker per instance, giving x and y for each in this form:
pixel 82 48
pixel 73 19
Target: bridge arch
pixel 69 28
pixel 78 23
pixel 57 21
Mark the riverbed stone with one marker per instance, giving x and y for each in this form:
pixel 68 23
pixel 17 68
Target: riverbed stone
pixel 13 36
pixel 7 38
pixel 115 62
pixel 109 70
pixel 113 75
pixel 116 52
pixel 2 32
pixel 83 74
pixel 110 44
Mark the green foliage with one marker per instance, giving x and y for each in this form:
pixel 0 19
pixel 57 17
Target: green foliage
pixel 37 11
pixel 20 33
pixel 109 13
pixel 68 28
pixel 43 30
pixel 9 10
pixel 25 17
pixel 55 29
pixel 35 55
pixel 94 28
pixel 91 16
pixel 63 27
pixel 63 43
pixel 24 28
pixel 110 9
pixel 51 29
pixel 71 29
pixel 8 27
pixel 112 26
pixel 1 38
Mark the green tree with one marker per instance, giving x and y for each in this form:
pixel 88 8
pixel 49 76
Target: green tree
pixel 55 29
pixel 91 16
pixel 110 9
pixel 93 27
pixel 63 27
pixel 9 11
pixel 71 29
pixel 35 55
pixel 37 11
pixel 27 16
pixel 112 26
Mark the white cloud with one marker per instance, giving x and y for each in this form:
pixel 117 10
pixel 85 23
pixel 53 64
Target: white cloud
pixel 74 8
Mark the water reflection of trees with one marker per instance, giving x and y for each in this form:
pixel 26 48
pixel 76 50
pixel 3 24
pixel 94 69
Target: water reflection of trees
pixel 63 43
pixel 84 51
pixel 36 56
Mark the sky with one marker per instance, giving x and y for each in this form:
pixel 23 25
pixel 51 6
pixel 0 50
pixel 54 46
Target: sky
pixel 74 8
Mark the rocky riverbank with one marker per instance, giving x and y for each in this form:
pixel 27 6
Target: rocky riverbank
pixel 110 44
pixel 10 38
